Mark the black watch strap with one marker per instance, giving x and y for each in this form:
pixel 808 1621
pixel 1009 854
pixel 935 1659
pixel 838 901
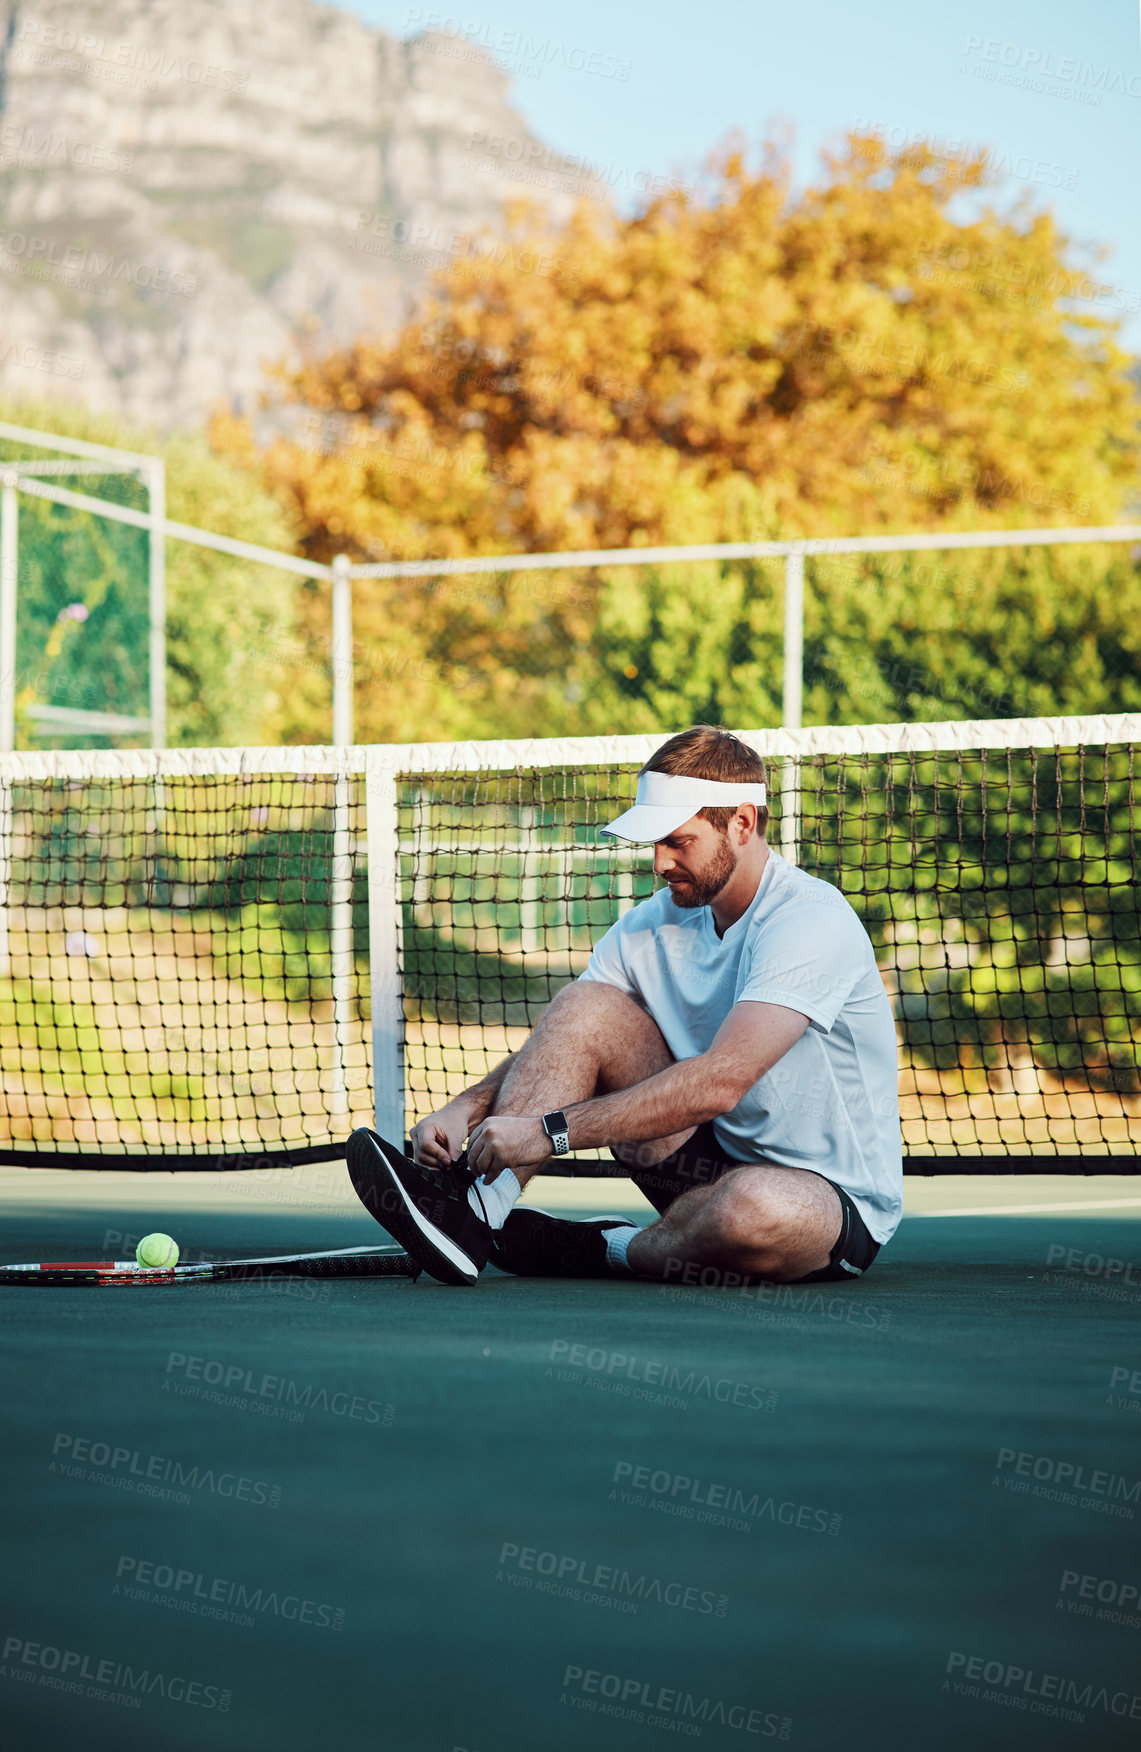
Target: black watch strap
pixel 556 1127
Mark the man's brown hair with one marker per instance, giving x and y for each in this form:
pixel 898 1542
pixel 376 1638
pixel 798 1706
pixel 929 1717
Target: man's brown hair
pixel 708 752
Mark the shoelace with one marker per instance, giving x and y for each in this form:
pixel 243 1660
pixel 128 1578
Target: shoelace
pixel 469 1177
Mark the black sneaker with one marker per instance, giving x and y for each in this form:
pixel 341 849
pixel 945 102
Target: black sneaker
pixel 425 1209
pixel 533 1243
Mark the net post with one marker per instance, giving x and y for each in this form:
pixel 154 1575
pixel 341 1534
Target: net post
pixel 5 872
pixel 9 537
pixel 788 826
pixel 792 703
pixel 382 826
pixel 156 578
pixel 341 884
pixel 341 939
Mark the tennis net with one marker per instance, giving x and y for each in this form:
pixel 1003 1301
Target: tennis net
pixel 232 957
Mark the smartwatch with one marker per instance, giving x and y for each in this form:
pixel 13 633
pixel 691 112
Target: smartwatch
pixel 556 1128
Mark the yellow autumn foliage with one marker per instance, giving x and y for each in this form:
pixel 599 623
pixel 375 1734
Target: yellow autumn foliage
pixel 744 363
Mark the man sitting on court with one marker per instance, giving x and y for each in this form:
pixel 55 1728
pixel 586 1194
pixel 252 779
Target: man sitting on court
pixel 730 1041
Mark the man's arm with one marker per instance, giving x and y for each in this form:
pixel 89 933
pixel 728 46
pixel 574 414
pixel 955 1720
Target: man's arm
pixel 753 1037
pixel 437 1140
pixel 749 1042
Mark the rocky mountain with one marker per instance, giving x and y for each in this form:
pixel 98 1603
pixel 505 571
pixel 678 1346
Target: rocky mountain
pixel 187 188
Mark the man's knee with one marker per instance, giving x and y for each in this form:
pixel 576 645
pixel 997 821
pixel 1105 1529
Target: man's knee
pixel 589 1001
pixel 769 1229
pixel 748 1226
pixel 624 1040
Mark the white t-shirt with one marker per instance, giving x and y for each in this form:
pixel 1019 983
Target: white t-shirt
pixel 832 1102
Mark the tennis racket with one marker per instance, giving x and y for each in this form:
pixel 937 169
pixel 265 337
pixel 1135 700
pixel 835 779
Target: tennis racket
pixel 355 1262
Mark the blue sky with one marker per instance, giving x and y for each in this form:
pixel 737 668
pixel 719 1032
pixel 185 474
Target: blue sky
pixel 647 90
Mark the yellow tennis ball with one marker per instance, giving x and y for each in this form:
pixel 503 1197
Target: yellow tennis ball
pixel 157 1250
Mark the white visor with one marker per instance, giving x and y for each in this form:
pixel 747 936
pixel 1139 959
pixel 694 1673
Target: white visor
pixel 664 801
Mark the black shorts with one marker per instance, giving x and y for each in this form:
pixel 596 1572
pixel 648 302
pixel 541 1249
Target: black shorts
pixel 701 1160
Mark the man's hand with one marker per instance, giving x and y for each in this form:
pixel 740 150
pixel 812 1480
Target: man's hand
pixel 507 1142
pixel 438 1140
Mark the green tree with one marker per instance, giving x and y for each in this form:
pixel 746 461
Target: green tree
pixel 233 641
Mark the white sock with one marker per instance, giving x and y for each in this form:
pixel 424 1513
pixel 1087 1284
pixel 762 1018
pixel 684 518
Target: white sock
pixel 495 1198
pixel 617 1241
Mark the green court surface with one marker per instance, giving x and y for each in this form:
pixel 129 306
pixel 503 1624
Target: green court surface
pixel 390 1517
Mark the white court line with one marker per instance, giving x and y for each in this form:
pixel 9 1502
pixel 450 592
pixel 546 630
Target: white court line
pixel 1092 1204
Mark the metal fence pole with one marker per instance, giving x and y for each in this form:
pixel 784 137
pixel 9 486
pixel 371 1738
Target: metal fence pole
pixel 156 508
pixel 792 704
pixel 342 652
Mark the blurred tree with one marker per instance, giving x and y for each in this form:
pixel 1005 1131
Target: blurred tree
pixel 747 363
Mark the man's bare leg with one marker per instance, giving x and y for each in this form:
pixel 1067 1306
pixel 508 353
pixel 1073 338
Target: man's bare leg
pixel 758 1220
pixel 762 1221
pixel 590 1039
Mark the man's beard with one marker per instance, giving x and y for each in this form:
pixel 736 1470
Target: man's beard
pixel 703 888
